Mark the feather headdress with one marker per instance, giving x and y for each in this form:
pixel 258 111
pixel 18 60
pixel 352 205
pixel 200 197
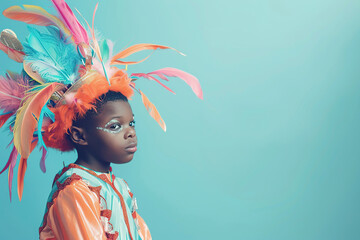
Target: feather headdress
pixel 65 70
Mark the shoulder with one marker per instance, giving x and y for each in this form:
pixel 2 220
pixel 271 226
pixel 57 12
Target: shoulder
pixel 69 172
pixel 72 183
pixel 76 180
pixel 70 192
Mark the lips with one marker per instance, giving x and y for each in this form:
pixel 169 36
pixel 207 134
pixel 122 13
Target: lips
pixel 131 147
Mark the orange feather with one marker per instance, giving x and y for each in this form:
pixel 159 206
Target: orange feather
pixel 27 115
pixel 21 175
pixel 129 62
pixel 34 15
pixel 21 172
pixel 137 48
pixel 153 111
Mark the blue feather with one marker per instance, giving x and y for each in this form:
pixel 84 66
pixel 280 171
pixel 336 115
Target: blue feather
pixel 45 111
pixel 49 113
pixel 52 55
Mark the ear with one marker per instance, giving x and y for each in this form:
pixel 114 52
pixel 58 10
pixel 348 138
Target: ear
pixel 78 135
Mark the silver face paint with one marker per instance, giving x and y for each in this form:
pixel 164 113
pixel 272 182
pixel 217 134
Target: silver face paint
pixel 114 130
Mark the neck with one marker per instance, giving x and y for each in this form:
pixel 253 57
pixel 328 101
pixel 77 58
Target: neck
pixel 89 161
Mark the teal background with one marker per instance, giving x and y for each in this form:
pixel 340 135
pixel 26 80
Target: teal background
pixel 272 152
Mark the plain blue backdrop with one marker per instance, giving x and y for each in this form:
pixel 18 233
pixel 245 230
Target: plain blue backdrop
pixel 272 152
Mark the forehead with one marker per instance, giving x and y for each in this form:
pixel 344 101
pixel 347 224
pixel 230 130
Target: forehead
pixel 111 109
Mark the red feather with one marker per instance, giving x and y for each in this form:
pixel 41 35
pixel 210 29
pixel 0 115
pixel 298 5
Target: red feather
pixel 4 118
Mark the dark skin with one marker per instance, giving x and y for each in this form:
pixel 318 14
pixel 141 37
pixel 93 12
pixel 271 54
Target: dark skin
pixel 108 137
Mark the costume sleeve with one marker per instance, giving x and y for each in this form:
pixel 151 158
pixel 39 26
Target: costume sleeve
pixel 75 213
pixel 144 231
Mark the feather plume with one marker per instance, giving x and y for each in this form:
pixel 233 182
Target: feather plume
pixel 21 172
pixel 33 74
pixel 137 48
pixel 148 76
pixel 95 43
pixel 106 49
pixel 150 107
pixel 8 162
pixel 9 39
pixel 4 118
pixel 27 116
pixel 78 32
pixel 45 111
pixel 189 79
pixel 43 158
pixel 12 91
pixel 34 15
pixel 21 175
pixel 119 62
pixel 10 165
pixel 15 55
pixel 52 57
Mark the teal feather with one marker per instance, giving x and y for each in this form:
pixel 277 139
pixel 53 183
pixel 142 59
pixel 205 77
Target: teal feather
pixel 39 126
pixel 52 55
pixel 49 113
pixel 104 49
pixel 45 111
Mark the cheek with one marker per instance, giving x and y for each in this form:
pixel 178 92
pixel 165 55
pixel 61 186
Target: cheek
pixel 111 147
pixel 105 141
pixel 112 140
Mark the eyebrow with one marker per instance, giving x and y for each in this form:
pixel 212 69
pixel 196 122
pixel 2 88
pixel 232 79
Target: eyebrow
pixel 113 120
pixel 120 116
pixel 110 122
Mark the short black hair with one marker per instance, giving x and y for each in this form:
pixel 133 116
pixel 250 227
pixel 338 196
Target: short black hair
pixel 106 97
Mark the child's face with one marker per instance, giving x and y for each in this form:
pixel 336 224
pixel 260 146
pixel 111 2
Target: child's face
pixel 111 134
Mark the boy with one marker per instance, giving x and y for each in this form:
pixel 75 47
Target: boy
pixel 87 201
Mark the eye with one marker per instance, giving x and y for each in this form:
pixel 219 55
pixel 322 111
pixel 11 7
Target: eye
pixel 132 123
pixel 115 127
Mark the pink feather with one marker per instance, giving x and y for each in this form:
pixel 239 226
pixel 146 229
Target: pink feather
pixel 10 165
pixel 43 158
pixel 12 90
pixel 148 76
pixel 191 80
pixel 4 118
pixel 78 32
pixel 97 65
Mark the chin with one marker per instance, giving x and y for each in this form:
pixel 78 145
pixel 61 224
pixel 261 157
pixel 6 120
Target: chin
pixel 124 160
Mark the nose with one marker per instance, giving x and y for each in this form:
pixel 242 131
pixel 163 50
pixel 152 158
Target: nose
pixel 130 132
